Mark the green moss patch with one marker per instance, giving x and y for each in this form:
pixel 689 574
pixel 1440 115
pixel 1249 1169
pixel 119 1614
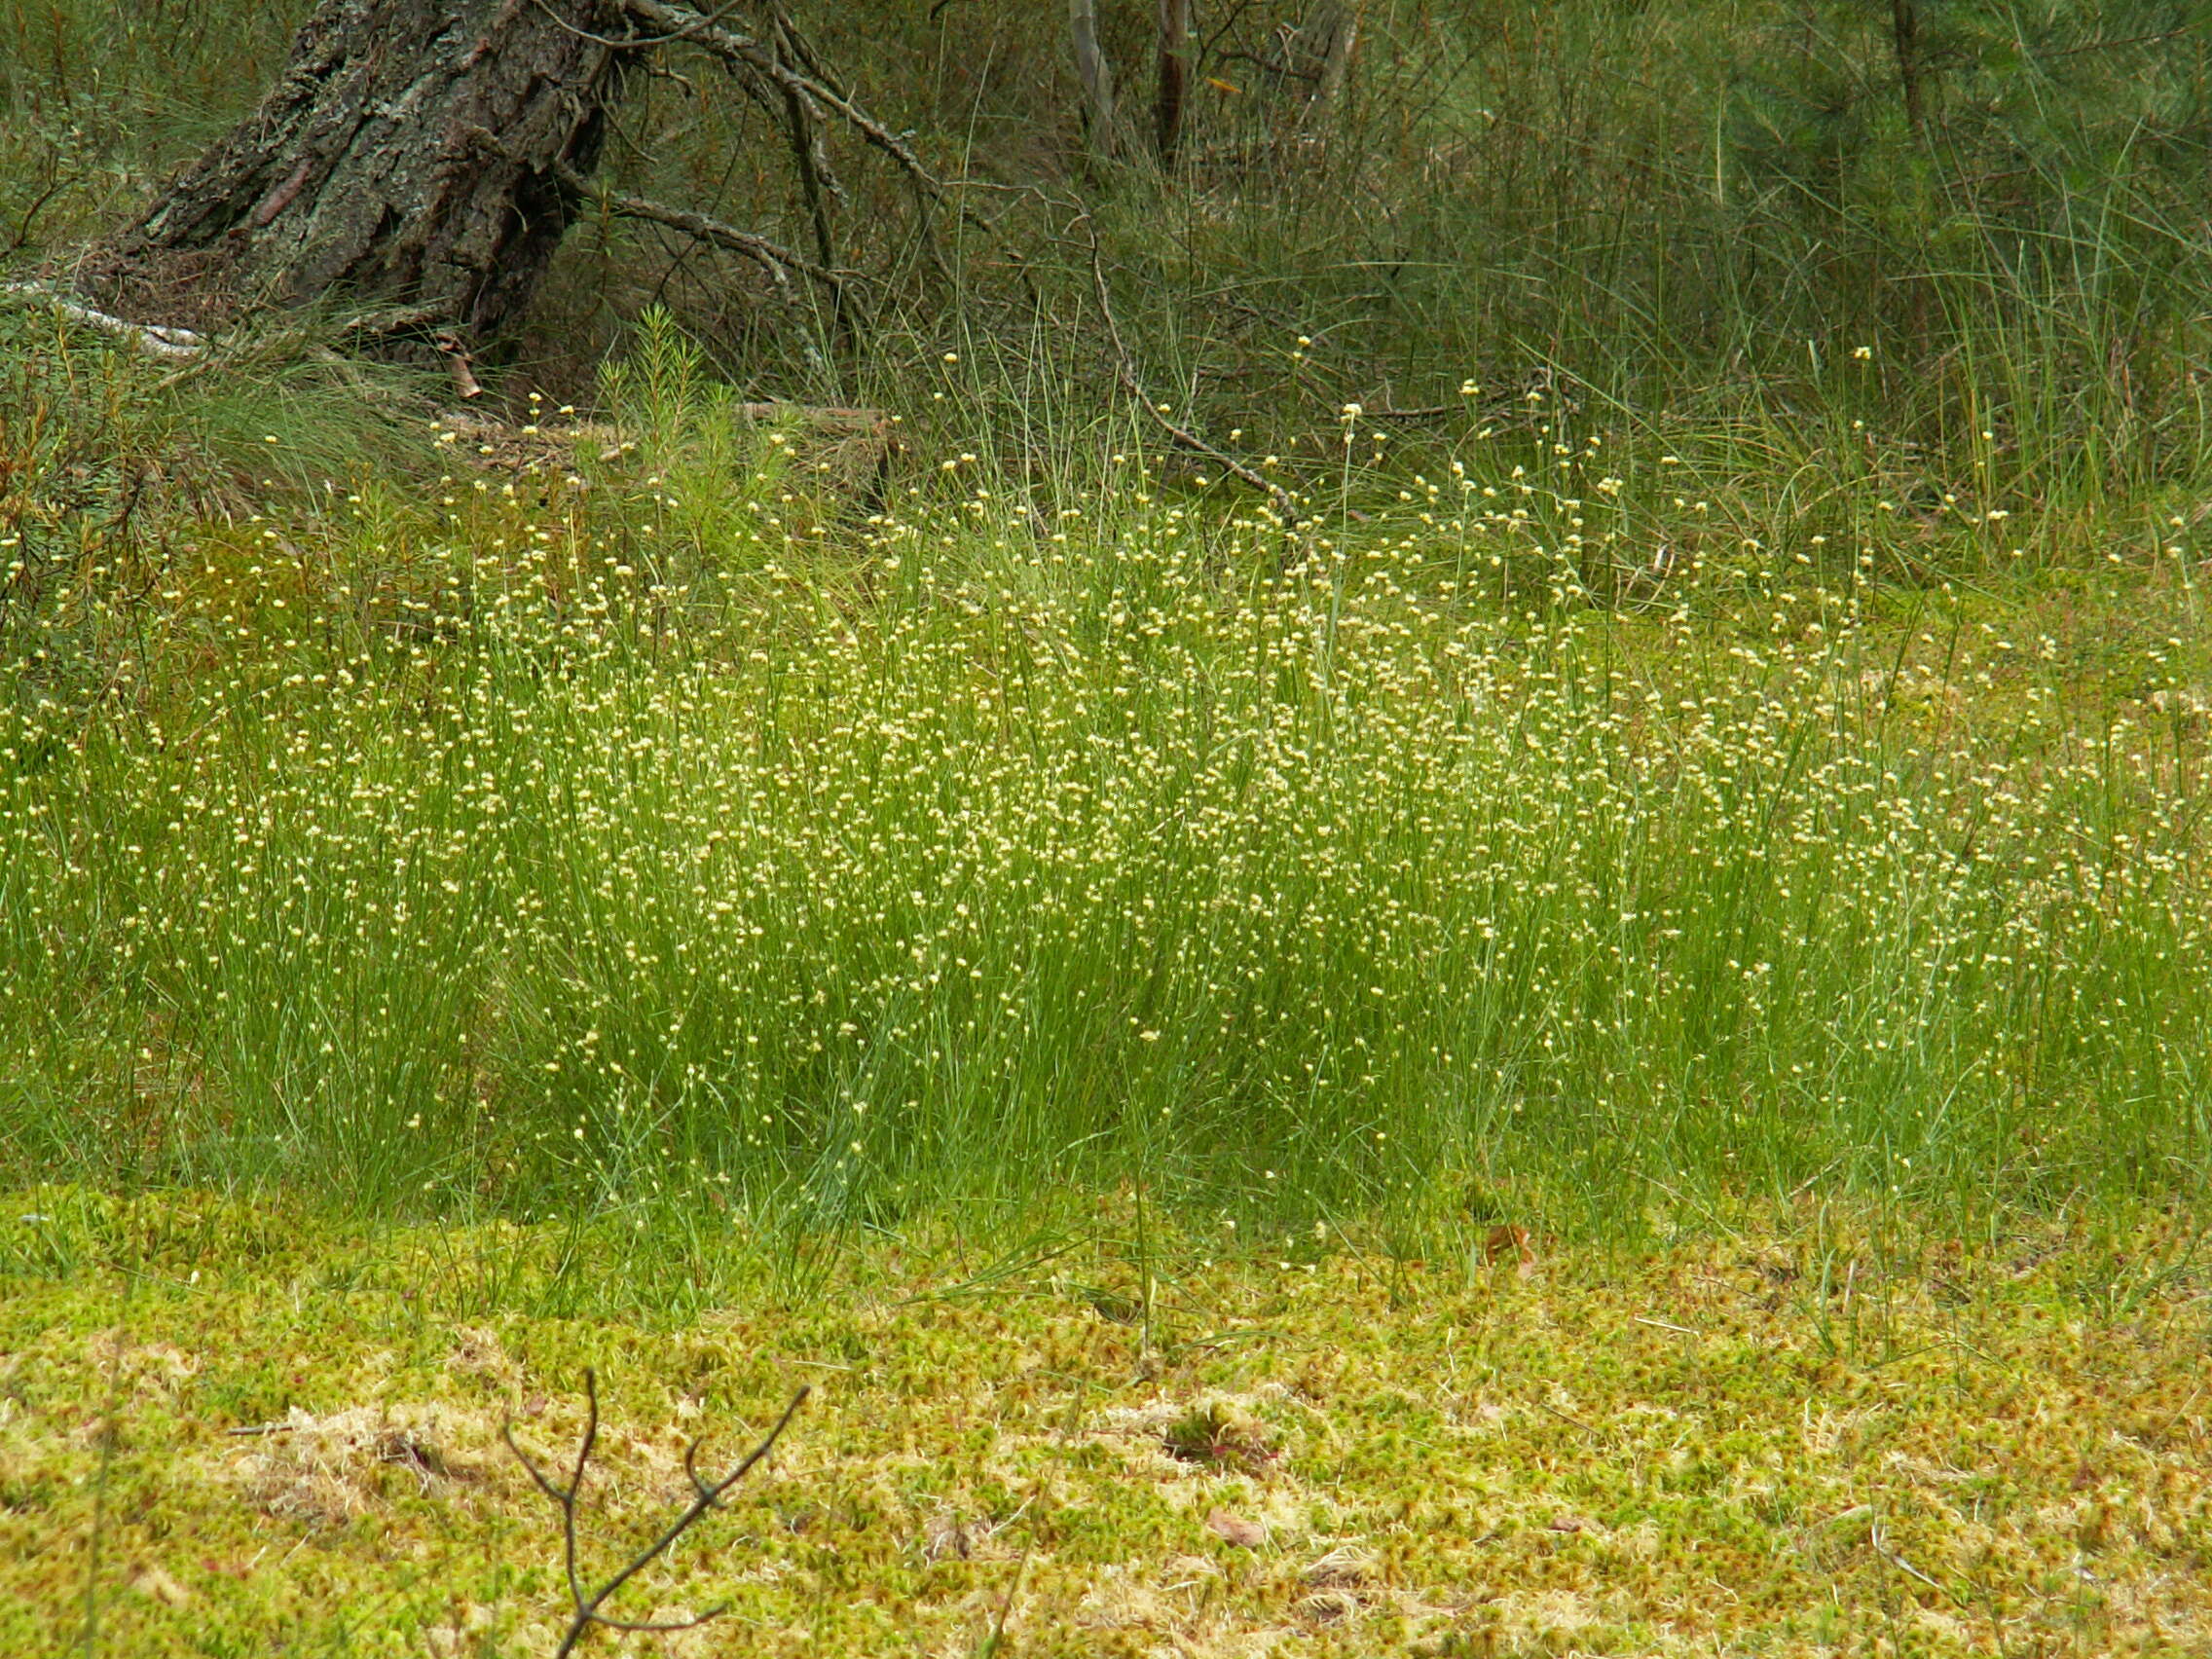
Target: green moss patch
pixel 277 1437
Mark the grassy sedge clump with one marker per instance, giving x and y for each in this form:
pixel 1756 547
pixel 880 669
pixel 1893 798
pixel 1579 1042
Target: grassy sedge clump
pixel 624 835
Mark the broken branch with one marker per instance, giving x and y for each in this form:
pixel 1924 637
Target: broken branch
pixel 683 23
pixel 150 338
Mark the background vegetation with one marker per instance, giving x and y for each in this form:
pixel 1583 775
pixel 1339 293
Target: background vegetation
pixel 1729 718
pixel 1140 851
pixel 1690 215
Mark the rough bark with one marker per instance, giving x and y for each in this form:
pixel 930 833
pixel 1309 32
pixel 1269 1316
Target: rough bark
pixel 410 160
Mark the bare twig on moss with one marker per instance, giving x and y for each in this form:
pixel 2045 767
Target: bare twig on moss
pixel 567 1495
pixel 1126 371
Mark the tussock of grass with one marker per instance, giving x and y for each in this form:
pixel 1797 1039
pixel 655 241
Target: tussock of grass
pixel 1805 1439
pixel 614 832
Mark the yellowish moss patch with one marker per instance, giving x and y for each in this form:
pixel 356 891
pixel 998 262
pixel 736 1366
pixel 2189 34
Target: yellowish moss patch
pixel 1724 1447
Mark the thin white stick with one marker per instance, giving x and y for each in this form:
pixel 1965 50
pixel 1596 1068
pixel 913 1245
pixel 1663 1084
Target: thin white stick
pixel 151 338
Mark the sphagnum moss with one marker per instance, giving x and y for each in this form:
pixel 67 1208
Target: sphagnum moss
pixel 1788 1442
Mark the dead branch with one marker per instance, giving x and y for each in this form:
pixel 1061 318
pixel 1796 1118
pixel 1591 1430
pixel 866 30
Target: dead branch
pixel 465 385
pixel 801 49
pixel 683 23
pixel 788 63
pixel 778 261
pixel 810 156
pixel 1126 371
pixel 752 61
pixel 150 338
pixel 565 1496
pixel 385 324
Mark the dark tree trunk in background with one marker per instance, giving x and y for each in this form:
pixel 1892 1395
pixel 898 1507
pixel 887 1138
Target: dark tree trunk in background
pixel 1174 79
pixel 1904 40
pixel 407 163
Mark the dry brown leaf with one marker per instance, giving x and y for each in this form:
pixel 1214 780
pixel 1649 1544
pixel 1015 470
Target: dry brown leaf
pixel 1244 1534
pixel 1505 1239
pixel 149 1579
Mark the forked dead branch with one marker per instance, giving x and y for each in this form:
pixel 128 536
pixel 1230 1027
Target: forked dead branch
pixel 568 1496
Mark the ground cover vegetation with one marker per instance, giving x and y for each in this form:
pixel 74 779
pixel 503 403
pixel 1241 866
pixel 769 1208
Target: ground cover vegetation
pixel 1545 716
pixel 591 835
pixel 286 1437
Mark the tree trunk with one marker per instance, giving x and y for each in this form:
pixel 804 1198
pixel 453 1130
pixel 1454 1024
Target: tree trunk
pixel 1339 50
pixel 1095 74
pixel 1905 41
pixel 1174 79
pixel 409 161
